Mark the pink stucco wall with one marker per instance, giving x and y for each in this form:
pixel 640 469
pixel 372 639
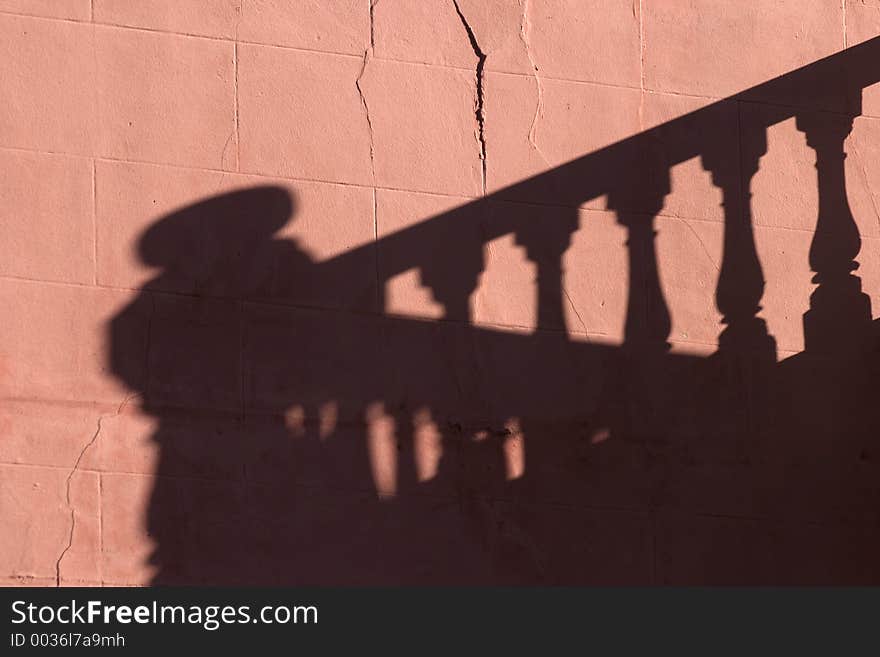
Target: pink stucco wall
pixel 349 375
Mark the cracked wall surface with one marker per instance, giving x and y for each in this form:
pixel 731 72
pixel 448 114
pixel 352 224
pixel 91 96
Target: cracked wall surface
pixel 374 115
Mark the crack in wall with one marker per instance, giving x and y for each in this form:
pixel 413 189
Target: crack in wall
pixel 235 127
pixel 576 313
pixel 372 23
pixel 69 483
pixel 357 83
pixel 367 54
pixel 700 240
pixel 94 439
pixel 478 109
pixel 226 147
pixel 524 29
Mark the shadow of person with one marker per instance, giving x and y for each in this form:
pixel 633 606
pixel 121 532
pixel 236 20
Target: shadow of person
pixel 266 409
pixel 223 246
pixel 177 345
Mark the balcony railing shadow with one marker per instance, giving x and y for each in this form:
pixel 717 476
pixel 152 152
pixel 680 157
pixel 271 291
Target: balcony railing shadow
pixel 305 444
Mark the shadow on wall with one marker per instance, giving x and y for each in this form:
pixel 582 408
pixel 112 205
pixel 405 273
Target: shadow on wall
pixel 305 445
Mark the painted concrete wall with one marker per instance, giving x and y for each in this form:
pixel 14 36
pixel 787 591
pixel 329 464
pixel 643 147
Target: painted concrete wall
pixel 285 385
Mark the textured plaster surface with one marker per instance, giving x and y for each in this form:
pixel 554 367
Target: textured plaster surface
pixel 376 115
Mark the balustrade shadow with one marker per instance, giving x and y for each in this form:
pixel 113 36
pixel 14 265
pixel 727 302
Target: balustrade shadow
pixel 308 437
